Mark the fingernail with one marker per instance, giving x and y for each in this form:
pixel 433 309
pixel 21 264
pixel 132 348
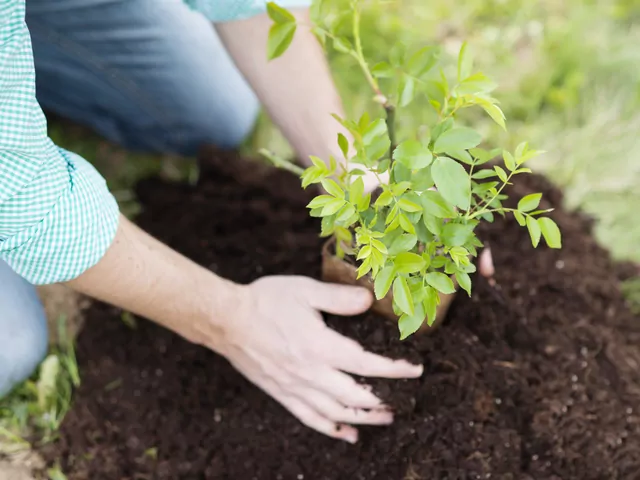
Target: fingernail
pixel 352 438
pixel 417 370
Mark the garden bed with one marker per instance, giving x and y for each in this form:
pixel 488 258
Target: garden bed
pixel 537 377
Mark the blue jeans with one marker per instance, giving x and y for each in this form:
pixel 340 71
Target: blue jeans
pixel 151 75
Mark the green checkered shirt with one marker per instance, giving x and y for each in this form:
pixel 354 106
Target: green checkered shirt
pixel 57 217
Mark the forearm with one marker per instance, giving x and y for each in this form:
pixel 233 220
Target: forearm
pixel 141 275
pixel 296 89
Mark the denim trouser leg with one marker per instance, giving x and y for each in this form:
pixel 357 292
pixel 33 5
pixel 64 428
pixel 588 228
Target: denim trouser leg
pixel 23 329
pixel 148 74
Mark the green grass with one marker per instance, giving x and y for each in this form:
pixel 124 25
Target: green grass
pixel 32 413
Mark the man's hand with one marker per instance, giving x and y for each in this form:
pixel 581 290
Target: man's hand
pixel 270 330
pixel 279 341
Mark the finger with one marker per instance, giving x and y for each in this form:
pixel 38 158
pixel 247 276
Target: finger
pixel 312 419
pixel 344 389
pixel 349 356
pixel 336 299
pixel 337 412
pixel 485 262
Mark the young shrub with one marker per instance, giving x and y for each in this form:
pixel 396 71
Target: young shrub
pixel 417 238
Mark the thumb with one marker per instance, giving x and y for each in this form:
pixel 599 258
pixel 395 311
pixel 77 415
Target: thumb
pixel 337 299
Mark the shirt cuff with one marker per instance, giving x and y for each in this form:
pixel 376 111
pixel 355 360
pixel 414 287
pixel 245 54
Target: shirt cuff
pixel 229 10
pixel 73 236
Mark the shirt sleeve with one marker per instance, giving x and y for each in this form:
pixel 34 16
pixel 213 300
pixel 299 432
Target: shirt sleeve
pixel 228 10
pixel 57 217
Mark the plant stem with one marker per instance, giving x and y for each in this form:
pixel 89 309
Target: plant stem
pixel 388 108
pixel 281 162
pixel 359 53
pixel 486 204
pixel 391 127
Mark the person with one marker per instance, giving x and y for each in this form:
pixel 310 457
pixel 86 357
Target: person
pixel 168 76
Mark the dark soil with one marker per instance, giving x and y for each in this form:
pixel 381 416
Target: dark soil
pixel 536 378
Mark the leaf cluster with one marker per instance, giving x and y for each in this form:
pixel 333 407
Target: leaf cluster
pixel 417 238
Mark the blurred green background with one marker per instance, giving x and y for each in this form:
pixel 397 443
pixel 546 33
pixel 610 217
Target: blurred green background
pixel 569 81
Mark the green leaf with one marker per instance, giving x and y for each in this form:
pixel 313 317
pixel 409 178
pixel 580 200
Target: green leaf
pixel 356 190
pixel 378 147
pixel 484 173
pixel 410 324
pixel 406 225
pixel 344 144
pixel 321 35
pixel 374 130
pixel 383 282
pixel 433 224
pixel 364 269
pixel 502 175
pixel 332 188
pixel 342 45
pixel 529 202
pixel 364 252
pixel 430 304
pixel 422 61
pixel 407 262
pixel 476 83
pixel 460 256
pixel 464 280
pixel 55 473
pixel 400 188
pixel 378 245
pixel 332 206
pixel 279 14
pixel 319 201
pixel 327 226
pixel 422 180
pixel 461 155
pixel 495 113
pixel 440 128
pixel 456 234
pixel 403 243
pixel 384 199
pixel 520 218
pixel 440 282
pixel 345 213
pixel 406 91
pixel 412 154
pixel 408 205
pixel 383 70
pixel 452 181
pixel 318 163
pixel 551 232
pixel 534 230
pixel 402 295
pixel 397 54
pixel 509 161
pixel 456 139
pixel 465 62
pixel 280 37
pixel 363 202
pixel 434 204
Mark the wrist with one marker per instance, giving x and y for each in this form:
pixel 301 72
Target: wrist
pixel 221 306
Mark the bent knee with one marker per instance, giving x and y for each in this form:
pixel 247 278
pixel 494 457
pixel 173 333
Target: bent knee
pixel 20 355
pixel 23 329
pixel 226 129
